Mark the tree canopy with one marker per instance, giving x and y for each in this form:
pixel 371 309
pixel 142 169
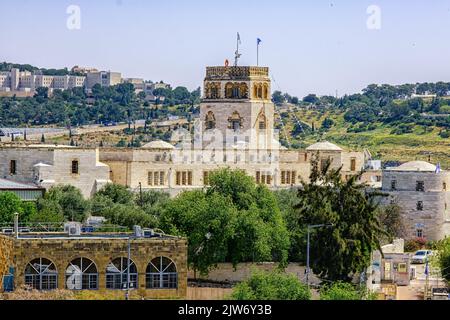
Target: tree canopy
pixel 344 249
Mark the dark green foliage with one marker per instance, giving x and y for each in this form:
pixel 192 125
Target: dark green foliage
pixel 271 286
pixel 344 291
pixel 233 221
pixel 65 200
pixel 344 249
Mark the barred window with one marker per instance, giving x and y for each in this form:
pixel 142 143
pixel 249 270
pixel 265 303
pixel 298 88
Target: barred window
pixel 41 274
pixel 82 274
pixel 288 177
pixel 117 274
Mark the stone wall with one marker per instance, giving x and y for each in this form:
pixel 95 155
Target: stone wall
pixel 226 273
pixel 102 251
pixel 6 247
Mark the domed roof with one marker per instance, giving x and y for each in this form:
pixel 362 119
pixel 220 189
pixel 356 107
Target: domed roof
pixel 323 146
pixel 416 166
pixel 158 144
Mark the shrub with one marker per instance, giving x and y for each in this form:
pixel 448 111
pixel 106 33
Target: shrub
pixel 271 286
pixel 344 291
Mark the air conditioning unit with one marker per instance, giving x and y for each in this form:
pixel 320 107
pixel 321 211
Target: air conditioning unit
pixel 72 228
pixel 148 233
pixel 138 231
pixel 7 230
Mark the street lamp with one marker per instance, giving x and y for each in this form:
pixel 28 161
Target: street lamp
pixel 310 227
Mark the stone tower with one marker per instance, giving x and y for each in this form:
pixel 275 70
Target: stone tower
pixel 237 104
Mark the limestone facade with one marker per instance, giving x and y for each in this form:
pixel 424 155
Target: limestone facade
pixel 47 166
pixel 424 197
pixel 101 250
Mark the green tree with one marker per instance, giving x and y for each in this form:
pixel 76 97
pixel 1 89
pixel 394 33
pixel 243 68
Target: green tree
pixel 117 193
pixel 66 200
pixel 443 258
pixel 345 249
pixel 9 204
pixel 278 98
pixel 207 221
pixel 271 286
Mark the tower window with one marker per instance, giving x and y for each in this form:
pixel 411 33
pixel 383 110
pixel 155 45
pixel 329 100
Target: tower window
pixel 12 167
pixel 235 121
pixel 353 164
pixel 394 185
pixel 210 121
pixel 75 169
pixel 420 186
pixel 419 205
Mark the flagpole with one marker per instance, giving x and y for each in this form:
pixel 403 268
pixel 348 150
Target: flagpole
pixel 257 53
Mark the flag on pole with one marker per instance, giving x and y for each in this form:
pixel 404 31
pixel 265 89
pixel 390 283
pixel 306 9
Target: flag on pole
pixel 258 41
pixel 239 38
pixel 438 168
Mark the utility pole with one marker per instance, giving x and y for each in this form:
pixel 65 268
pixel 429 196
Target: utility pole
pixel 127 293
pixel 140 194
pixel 310 227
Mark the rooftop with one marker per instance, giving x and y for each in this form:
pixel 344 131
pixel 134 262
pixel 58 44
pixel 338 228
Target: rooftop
pixel 12 185
pixel 236 73
pixel 90 236
pixel 158 144
pixel 421 166
pixel 323 146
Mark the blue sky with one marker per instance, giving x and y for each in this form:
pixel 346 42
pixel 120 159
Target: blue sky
pixel 311 46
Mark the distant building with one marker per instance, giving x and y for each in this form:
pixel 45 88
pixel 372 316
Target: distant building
pixel 423 194
pixel 103 78
pixel 77 69
pixel 49 165
pixel 24 81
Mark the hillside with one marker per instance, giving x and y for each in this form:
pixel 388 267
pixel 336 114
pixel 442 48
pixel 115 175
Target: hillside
pixel 420 144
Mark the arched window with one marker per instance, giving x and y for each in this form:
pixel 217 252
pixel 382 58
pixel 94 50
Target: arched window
pixel 243 90
pixel 41 274
pixel 266 91
pixel 236 92
pixel 235 121
pixel 161 273
pixel 229 90
pixel 260 91
pixel 210 121
pixel 82 274
pixel 117 274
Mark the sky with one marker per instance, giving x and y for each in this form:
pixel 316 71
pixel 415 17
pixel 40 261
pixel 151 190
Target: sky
pixel 314 46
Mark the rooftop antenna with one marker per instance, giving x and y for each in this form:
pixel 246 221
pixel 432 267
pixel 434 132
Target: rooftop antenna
pixel 237 54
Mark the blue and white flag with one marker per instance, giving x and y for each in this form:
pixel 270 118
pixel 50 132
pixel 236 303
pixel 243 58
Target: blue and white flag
pixel 438 168
pixel 258 41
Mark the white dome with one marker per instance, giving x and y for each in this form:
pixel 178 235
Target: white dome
pixel 416 166
pixel 323 146
pixel 158 144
